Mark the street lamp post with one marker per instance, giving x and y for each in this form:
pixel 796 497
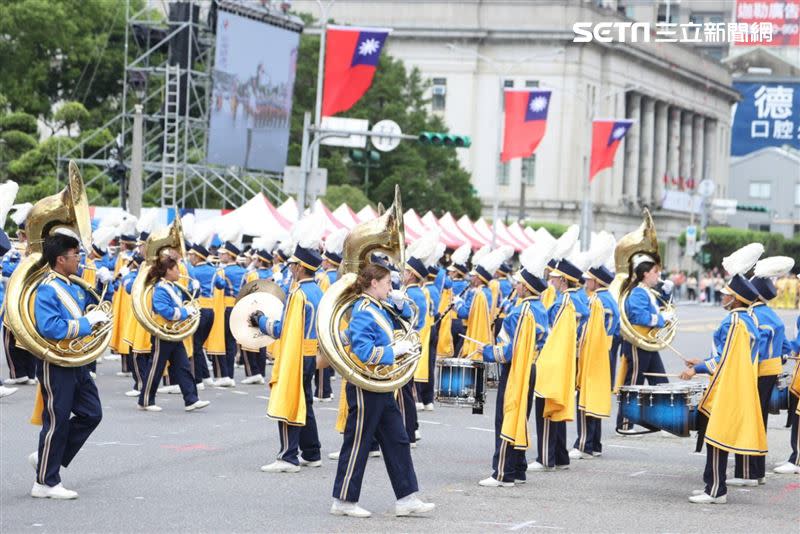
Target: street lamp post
pixel 324 8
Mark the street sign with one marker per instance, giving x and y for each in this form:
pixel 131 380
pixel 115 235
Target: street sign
pixel 385 144
pixel 317 181
pixel 350 125
pixel 706 188
pixel 727 205
pixel 691 240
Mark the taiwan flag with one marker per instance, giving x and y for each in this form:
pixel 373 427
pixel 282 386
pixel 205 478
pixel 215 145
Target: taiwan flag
pixel 525 122
pixel 606 135
pixel 351 57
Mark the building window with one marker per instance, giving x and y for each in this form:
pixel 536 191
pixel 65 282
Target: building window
pixel 530 84
pixel 508 84
pixel 529 170
pixel 438 100
pixel 703 17
pixel 715 52
pixel 673 12
pixel 503 173
pixel 756 227
pixel 760 190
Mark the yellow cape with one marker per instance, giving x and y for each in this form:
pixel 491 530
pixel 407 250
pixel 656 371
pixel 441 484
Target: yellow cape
pixel 555 366
pixel 287 401
pixel 215 343
pixel 515 401
pixel 478 326
pixel 594 367
pixel 421 373
pixel 731 400
pixel 444 347
pixel 494 287
pixel 548 297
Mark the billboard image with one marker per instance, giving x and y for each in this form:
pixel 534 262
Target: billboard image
pixel 766 116
pixel 251 100
pixel 783 15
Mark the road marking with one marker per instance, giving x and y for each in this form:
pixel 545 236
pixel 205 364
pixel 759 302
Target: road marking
pixel 481 429
pixel 637 473
pixel 239 392
pixel 628 447
pixel 106 443
pixel 262 397
pixel 429 422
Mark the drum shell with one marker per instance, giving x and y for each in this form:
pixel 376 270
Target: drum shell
pixel 779 398
pixel 457 380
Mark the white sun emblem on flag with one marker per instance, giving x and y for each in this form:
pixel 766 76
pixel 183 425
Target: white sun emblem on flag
pixel 538 104
pixel 368 47
pixel 618 133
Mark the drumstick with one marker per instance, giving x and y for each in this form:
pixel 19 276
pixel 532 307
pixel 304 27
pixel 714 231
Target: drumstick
pixel 481 343
pixel 666 375
pixel 676 351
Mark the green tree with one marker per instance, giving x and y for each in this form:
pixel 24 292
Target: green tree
pixel 344 194
pixel 70 114
pixel 431 178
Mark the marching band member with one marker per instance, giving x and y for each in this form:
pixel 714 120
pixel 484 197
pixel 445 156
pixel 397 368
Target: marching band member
pixel 477 308
pixel 202 271
pixel 21 363
pixel 167 307
pixel 425 390
pixel 556 363
pixel 596 354
pixel 792 465
pixel 642 309
pixel 731 399
pixel 521 337
pixel 374 415
pixel 416 272
pixel 94 273
pixel 450 326
pixel 751 470
pixel 228 278
pixel 255 361
pixel 331 259
pixel 127 248
pixel 136 342
pixel 8 192
pixel 290 400
pixel 59 311
pixel 542 236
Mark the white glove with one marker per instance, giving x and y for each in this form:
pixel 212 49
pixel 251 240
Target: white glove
pixel 402 347
pixel 195 285
pixel 398 297
pixel 124 271
pixel 668 316
pixel 457 301
pixel 277 277
pixel 191 308
pixel 395 277
pixel 668 286
pixel 104 275
pixel 96 316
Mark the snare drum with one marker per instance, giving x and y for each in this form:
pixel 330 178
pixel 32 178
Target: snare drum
pixel 779 399
pixel 459 381
pixel 629 404
pixel 672 407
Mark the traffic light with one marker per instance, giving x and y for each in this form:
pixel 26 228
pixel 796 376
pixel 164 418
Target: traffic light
pixel 747 207
pixel 445 139
pixel 365 157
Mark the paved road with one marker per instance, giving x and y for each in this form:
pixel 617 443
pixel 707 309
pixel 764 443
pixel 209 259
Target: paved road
pixel 179 472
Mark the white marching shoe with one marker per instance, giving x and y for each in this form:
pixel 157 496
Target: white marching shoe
pixel 151 408
pixel 419 406
pixel 577 454
pixel 347 508
pixel 169 389
pixel 279 466
pixel 705 498
pixel 787 469
pixel 310 463
pixel 492 482
pixel 33 459
pixel 208 381
pixel 40 491
pixel 132 393
pixel 5 392
pixel 200 386
pixel 374 454
pixel 333 455
pixel 429 407
pixel 199 405
pixel 742 482
pixel 411 505
pixel 255 379
pixel 536 466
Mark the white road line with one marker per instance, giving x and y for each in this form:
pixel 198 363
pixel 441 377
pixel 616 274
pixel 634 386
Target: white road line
pixel 637 473
pixel 239 392
pixel 429 422
pixel 481 429
pixel 262 397
pixel 627 447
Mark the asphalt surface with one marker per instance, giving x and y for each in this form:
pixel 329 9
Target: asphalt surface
pixel 179 472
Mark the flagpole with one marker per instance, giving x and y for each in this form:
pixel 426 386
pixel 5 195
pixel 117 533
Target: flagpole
pixel 586 211
pixel 324 9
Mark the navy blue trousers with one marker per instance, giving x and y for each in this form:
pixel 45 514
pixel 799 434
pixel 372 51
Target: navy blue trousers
pixel 406 402
pixel 152 368
pixel 794 420
pixel 551 438
pixel 639 362
pixel 304 439
pixel 322 383
pixel 508 464
pixel 231 347
pixel 255 362
pixel 21 363
pixel 373 416
pixel 714 474
pixel 589 430
pixel 200 336
pixel 456 328
pixel 65 391
pixel 612 356
pixel 755 467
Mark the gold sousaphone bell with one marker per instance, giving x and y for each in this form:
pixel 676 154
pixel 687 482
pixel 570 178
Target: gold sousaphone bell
pixel 259 295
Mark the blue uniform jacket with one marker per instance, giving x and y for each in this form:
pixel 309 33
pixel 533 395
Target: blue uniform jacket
pixel 503 350
pixel 416 294
pixel 773 342
pixel 581 308
pixel 466 306
pixel 204 274
pixel 611 309
pixel 505 287
pixel 10 262
pixel 441 279
pixel 230 279
pixel 721 334
pixel 436 298
pixel 371 331
pixel 168 301
pixel 58 308
pixel 641 308
pixel 313 295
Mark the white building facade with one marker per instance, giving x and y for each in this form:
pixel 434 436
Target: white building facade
pixel 471 50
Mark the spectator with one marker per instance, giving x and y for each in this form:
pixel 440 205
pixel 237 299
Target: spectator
pixel 691 287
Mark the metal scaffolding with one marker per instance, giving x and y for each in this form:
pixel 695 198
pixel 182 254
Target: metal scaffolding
pixel 168 70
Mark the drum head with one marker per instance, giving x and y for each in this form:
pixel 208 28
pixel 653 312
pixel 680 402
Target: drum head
pixel 250 337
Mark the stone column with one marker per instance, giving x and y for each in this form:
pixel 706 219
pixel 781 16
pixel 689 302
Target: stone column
pixel 686 145
pixel 661 142
pixel 631 180
pixel 646 151
pixel 710 154
pixel 673 159
pixel 697 149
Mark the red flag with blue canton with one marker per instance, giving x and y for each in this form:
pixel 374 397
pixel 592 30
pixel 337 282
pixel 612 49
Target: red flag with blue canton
pixel 606 136
pixel 351 57
pixel 525 122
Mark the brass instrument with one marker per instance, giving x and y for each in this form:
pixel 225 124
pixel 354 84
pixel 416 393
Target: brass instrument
pixel 384 234
pixel 641 240
pixel 67 210
pixel 161 243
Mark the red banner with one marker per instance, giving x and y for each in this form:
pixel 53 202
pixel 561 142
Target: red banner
pixel 784 15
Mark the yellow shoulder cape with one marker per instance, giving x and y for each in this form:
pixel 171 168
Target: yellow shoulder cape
pixel 444 347
pixel 287 401
pixel 478 326
pixel 594 367
pixel 555 366
pixel 421 373
pixel 515 401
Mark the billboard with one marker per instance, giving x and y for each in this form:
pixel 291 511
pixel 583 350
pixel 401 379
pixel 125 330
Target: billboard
pixel 783 15
pixel 766 116
pixel 251 99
